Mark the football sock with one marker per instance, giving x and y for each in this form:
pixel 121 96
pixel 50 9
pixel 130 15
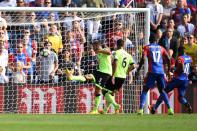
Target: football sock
pixel 164 96
pixel 159 101
pixel 142 99
pixel 110 99
pixel 182 100
pixel 187 105
pixel 105 110
pixel 97 101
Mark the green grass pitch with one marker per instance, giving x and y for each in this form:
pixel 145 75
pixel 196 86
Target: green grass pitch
pixel 79 122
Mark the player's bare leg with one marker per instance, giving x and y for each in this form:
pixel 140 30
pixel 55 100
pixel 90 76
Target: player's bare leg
pixel 77 78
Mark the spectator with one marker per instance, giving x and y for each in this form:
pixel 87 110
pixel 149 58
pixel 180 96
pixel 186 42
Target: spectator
pixel 3 22
pixel 45 14
pixel 20 3
pixel 65 61
pixel 27 49
pixel 164 24
pixel 185 28
pixel 192 2
pixel 31 17
pixel 171 25
pixel 8 3
pixel 158 35
pixel 52 20
pixel 195 38
pixel 167 7
pixel 47 64
pixel 126 35
pixel 107 24
pixel 111 3
pixel 37 35
pixel 55 38
pixel 79 3
pixel 183 41
pixel 93 25
pixel 69 3
pixel 89 62
pixel 93 3
pixel 170 44
pixel 3 38
pixel 3 62
pixel 76 42
pixel 32 43
pixel 3 31
pixel 156 14
pixel 67 25
pixel 20 15
pixel 141 3
pixel 191 49
pixel 115 34
pixel 44 27
pixel 193 75
pixel 18 75
pixel 129 3
pixel 77 69
pixel 36 3
pixel 178 12
pixel 3 77
pixel 19 57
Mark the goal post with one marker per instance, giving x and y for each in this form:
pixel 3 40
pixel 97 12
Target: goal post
pixel 33 79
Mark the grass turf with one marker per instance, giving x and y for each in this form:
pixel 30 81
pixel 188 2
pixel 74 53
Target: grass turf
pixel 76 122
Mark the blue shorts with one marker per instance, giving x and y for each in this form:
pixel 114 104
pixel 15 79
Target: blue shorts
pixel 181 85
pixel 152 78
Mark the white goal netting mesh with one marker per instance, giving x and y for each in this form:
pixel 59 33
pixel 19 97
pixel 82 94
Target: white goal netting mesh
pixel 33 78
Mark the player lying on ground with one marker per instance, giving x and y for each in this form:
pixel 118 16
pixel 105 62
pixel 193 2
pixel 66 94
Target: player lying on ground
pixel 100 77
pixel 155 55
pixel 180 81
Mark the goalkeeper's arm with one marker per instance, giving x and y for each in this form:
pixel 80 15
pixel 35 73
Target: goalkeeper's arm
pixel 139 66
pixel 132 66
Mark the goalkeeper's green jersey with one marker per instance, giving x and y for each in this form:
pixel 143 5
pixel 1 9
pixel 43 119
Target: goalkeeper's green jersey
pixel 104 63
pixel 124 59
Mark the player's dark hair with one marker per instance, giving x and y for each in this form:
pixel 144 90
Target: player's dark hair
pixel 181 51
pixel 47 42
pixel 152 39
pixel 120 43
pixel 96 42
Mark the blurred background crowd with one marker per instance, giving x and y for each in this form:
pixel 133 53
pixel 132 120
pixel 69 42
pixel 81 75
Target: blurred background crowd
pixel 36 47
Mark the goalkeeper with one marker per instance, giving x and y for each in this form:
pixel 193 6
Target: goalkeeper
pixel 100 77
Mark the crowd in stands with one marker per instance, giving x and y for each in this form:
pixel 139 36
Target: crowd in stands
pixel 37 47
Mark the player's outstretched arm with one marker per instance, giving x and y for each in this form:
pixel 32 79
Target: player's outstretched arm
pixel 168 62
pixel 139 66
pixel 104 51
pixel 131 67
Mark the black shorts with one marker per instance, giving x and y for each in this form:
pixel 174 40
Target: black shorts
pixel 101 78
pixel 116 86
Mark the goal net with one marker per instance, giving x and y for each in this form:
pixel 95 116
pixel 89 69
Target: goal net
pixel 38 44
